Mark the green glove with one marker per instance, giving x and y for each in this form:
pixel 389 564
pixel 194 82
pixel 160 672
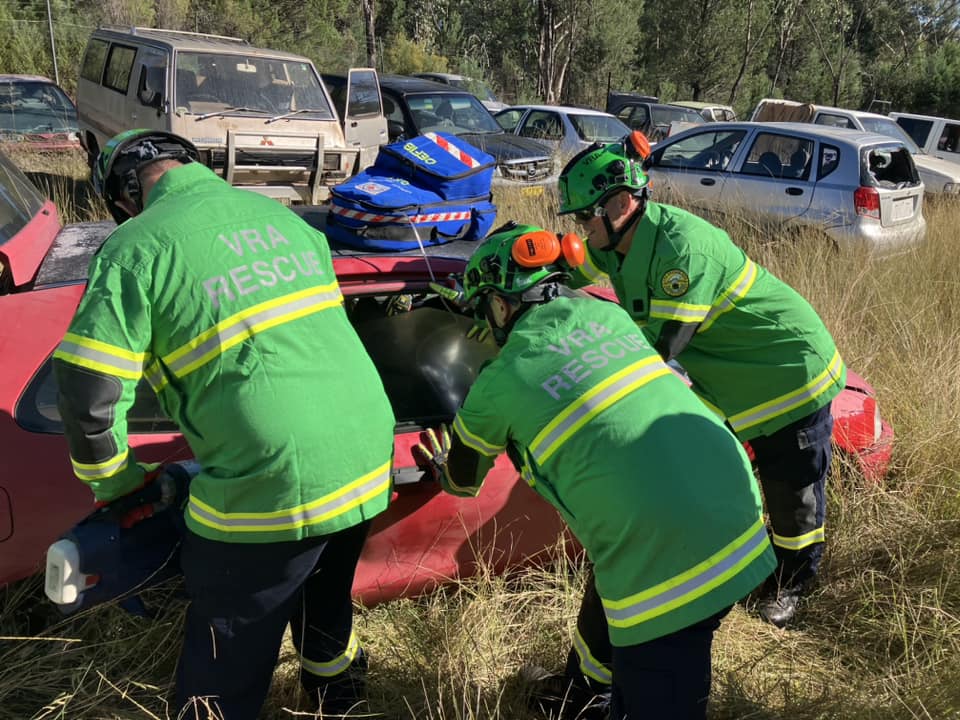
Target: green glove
pixel 450 289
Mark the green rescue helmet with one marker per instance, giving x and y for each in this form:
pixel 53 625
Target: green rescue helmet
pixel 116 173
pixel 515 259
pixel 597 172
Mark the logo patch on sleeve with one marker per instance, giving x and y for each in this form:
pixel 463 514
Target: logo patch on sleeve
pixel 675 283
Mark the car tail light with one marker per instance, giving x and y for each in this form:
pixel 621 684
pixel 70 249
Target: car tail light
pixel 866 201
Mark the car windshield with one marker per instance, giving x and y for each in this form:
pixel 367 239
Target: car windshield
pixel 885 126
pixel 19 200
pixel 455 113
pixel 239 84
pixel 599 128
pixel 28 106
pixel 665 115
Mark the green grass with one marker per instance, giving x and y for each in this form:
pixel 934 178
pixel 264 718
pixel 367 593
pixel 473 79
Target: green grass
pixel 879 639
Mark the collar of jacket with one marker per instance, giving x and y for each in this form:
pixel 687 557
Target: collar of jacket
pixel 644 238
pixel 177 180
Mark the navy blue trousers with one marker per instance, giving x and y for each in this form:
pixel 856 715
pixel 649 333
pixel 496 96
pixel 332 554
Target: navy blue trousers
pixel 792 465
pixel 242 596
pixel 667 678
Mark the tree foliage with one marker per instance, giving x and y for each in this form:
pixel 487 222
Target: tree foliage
pixel 846 52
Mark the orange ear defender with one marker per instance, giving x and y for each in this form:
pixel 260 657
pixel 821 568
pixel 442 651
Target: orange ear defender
pixel 542 247
pixel 639 144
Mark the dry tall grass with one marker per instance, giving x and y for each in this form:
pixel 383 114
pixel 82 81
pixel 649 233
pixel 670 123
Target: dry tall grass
pixel 879 639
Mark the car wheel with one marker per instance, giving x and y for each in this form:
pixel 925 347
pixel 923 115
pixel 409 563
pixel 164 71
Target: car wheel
pixel 93 152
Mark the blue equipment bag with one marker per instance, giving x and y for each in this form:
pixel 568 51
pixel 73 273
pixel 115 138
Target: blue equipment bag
pixel 429 190
pixel 440 162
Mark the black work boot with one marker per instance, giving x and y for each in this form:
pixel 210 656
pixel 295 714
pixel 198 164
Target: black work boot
pixel 778 603
pixel 559 697
pixel 343 696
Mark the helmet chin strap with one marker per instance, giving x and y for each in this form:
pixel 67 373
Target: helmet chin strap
pixel 613 236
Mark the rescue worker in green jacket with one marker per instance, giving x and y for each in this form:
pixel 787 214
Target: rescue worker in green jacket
pixel 755 350
pixel 227 304
pixel 602 429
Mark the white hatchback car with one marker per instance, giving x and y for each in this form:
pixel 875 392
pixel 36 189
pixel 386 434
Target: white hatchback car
pixel 857 187
pixel 565 129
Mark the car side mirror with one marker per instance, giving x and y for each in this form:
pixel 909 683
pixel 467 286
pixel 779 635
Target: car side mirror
pixel 395 130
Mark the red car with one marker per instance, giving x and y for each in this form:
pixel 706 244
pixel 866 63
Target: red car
pixel 426 362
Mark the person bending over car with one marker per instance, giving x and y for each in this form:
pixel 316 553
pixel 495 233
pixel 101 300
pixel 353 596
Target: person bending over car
pixel 755 351
pixel 227 303
pixel 600 427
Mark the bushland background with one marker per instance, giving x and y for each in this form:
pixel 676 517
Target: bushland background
pixel 836 52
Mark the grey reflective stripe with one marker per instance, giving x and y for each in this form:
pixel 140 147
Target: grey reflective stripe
pixel 590 666
pixel 98 471
pixel 334 667
pixel 543 447
pixel 297 517
pixel 677 310
pixel 744 420
pixel 622 616
pixel 99 357
pixel 247 325
pixel 737 292
pixel 154 375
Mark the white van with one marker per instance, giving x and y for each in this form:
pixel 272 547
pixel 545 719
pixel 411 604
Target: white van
pixel 261 118
pixel 938 136
pixel 939 176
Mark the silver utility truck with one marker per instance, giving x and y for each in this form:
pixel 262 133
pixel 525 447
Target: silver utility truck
pixel 261 118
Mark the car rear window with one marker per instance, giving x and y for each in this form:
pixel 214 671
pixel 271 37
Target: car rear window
pixel 887 166
pixel 916 128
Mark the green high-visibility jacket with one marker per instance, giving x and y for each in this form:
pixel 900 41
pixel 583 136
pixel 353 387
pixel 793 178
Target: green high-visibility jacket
pixel 227 303
pixel 761 356
pixel 655 487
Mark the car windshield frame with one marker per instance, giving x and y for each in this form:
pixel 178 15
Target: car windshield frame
pixel 221 83
pixel 615 125
pixel 467 114
pixel 19 200
pixel 29 107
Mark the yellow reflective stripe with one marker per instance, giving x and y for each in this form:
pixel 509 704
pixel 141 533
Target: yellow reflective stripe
pixel 100 356
pixel 688 586
pixel 589 665
pixel 737 291
pixel 785 403
pixel 339 664
pixel 474 441
pixel 590 270
pixel 340 501
pixel 89 472
pixel 713 408
pixel 682 312
pixel 801 541
pixel 527 474
pixel 242 325
pixel 155 376
pixel 592 403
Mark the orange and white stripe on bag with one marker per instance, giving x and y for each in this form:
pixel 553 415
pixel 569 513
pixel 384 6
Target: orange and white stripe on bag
pixel 400 219
pixel 453 150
